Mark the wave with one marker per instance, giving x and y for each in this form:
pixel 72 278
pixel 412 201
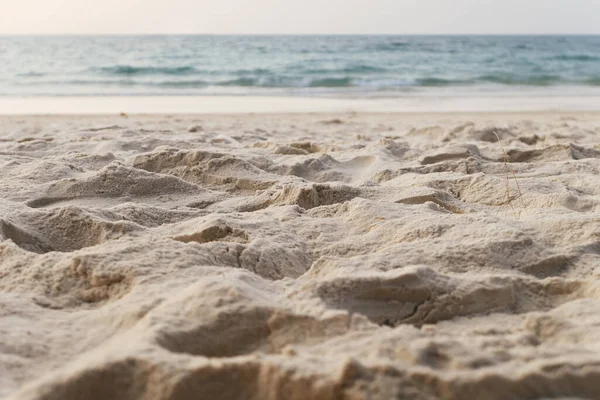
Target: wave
pixel 522 80
pixel 351 69
pixel 438 82
pixel 117 83
pixel 332 82
pixel 391 46
pixel 288 82
pixel 191 84
pixel 575 57
pixel 367 82
pixel 593 81
pixel 31 74
pixel 129 70
pixel 253 71
pixel 243 82
pixel 78 82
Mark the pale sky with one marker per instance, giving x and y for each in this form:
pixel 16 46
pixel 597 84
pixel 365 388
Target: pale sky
pixel 300 16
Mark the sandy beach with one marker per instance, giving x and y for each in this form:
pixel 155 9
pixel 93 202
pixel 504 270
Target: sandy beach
pixel 300 256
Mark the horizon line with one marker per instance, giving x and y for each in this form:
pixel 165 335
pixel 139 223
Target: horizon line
pixel 298 34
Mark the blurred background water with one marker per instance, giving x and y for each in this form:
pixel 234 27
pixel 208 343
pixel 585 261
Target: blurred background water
pixel 296 65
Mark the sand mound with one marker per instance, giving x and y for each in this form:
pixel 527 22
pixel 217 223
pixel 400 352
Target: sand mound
pixel 117 181
pixel 200 167
pixel 63 229
pixel 300 257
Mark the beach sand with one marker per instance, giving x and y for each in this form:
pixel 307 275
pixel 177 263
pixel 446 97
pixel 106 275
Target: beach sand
pixel 300 256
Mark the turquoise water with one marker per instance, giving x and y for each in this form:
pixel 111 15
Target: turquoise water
pixel 295 65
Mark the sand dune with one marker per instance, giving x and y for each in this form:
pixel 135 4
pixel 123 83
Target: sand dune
pixel 342 256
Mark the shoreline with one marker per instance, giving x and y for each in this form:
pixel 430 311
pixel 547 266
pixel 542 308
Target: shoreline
pixel 189 105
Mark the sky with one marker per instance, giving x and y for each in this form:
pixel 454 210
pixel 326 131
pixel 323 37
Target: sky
pixel 300 16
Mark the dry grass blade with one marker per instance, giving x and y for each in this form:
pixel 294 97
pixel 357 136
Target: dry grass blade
pixel 510 172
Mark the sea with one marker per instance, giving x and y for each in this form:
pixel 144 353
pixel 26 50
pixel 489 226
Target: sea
pixel 356 66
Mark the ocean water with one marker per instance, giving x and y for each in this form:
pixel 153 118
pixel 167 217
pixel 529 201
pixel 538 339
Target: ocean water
pixel 296 65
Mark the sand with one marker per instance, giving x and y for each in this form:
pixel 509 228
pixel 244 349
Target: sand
pixel 300 256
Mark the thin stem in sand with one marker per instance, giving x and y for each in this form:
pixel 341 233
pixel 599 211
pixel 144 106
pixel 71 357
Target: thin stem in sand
pixel 509 172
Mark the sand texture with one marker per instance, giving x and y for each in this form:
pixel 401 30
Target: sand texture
pixel 316 256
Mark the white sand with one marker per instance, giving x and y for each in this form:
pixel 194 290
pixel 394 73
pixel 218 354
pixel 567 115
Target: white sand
pixel 346 256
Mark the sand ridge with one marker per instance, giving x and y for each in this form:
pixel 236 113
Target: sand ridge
pixel 322 256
